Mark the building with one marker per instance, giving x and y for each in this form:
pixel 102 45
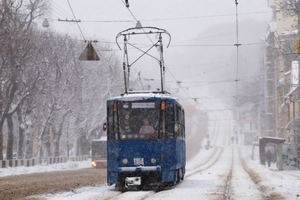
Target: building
pixel 282 111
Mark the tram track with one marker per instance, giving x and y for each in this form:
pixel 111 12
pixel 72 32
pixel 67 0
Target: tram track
pixel 210 157
pixel 256 178
pixel 217 157
pixel 213 157
pixel 218 147
pixel 228 181
pixel 223 168
pixel 140 195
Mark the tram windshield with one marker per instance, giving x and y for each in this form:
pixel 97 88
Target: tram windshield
pixel 138 120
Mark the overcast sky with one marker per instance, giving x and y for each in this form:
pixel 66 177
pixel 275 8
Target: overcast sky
pixel 211 24
pixel 184 19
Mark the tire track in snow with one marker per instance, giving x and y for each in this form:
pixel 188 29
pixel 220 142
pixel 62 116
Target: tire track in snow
pixel 266 192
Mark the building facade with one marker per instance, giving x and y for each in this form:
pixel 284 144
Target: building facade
pixel 282 79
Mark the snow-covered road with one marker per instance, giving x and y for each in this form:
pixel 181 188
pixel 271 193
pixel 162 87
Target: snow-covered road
pixel 225 171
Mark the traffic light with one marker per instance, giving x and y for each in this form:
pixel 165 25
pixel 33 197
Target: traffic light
pixel 298 46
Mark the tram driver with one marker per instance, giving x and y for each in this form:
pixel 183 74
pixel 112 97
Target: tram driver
pixel 146 128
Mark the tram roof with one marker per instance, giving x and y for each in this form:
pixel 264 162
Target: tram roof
pixel 103 138
pixel 142 96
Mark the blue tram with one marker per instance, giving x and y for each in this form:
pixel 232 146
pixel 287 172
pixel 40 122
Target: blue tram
pixel 145 130
pixel 137 157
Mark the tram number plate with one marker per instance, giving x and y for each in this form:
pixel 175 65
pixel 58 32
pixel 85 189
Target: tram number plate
pixel 138 161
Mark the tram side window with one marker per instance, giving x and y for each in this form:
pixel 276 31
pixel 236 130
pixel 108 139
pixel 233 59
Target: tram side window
pixel 182 123
pixel 170 120
pixel 110 123
pixel 179 126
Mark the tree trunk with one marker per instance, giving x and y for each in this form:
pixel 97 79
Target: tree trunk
pixel 57 133
pixel 56 146
pixel 1 144
pixel 29 139
pixel 78 132
pixel 44 144
pixel 10 138
pixel 21 134
pixel 84 146
pixel 46 139
pixel 56 140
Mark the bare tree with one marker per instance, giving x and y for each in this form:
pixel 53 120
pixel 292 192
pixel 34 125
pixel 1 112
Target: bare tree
pixel 16 22
pixel 43 84
pixel 100 81
pixel 289 8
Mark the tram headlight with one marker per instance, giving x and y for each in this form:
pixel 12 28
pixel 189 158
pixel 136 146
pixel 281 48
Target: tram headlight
pixel 124 161
pixel 153 160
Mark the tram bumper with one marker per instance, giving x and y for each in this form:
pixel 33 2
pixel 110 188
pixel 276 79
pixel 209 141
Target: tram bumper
pixel 132 181
pixel 140 169
pixel 134 175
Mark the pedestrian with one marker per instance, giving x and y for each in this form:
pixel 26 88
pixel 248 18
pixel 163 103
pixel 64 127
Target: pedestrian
pixel 207 145
pixel 236 139
pixel 269 157
pixel 232 139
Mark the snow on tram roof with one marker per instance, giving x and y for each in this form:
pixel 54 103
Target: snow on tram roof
pixel 103 138
pixel 144 95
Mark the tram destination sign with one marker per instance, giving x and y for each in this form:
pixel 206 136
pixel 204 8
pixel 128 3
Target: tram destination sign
pixel 143 105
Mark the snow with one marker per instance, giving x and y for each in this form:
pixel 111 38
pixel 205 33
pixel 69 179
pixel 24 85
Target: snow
pixel 44 168
pixel 206 176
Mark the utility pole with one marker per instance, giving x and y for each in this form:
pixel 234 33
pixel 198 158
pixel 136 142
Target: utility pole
pixel 298 51
pixel 237 63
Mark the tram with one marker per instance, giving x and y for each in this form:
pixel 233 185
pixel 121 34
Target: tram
pixel 146 146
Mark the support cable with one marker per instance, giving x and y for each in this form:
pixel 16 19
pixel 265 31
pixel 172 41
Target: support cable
pixel 76 20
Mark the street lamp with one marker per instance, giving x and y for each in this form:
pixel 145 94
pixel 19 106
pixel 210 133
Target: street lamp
pixel 45 23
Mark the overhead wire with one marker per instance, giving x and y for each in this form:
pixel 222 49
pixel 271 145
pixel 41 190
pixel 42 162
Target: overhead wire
pixel 172 45
pixel 64 15
pixel 237 45
pixel 216 35
pixel 243 78
pixel 215 45
pixel 169 19
pixel 254 55
pixel 60 11
pixel 81 32
pixel 234 108
pixel 75 20
pixel 150 40
pixel 204 83
pixel 195 17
